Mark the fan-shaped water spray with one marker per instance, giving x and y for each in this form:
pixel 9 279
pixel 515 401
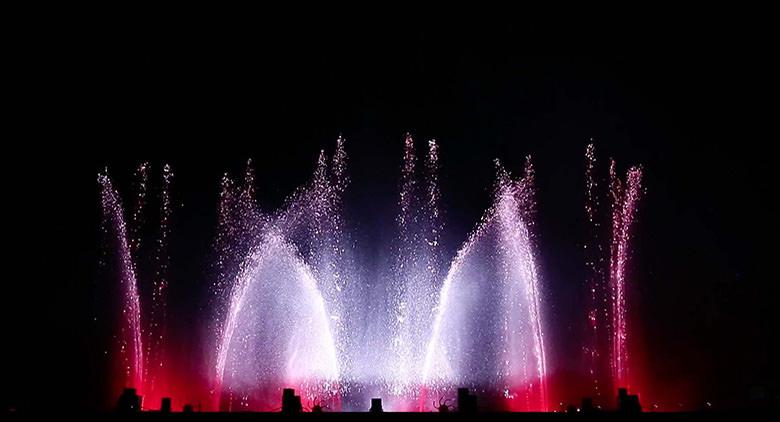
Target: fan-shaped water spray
pixel 277 331
pixel 488 332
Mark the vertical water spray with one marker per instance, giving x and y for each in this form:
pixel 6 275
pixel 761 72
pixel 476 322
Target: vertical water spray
pixel 250 219
pixel 130 336
pixel 607 252
pixel 598 305
pixel 624 204
pixel 142 327
pixel 342 303
pixel 142 181
pixel 320 251
pixel 402 323
pixel 340 181
pixel 157 325
pixel 435 226
pixel 526 193
pixel 416 278
pixel 239 220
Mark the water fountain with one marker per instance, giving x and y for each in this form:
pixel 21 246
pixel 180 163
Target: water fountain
pixel 289 308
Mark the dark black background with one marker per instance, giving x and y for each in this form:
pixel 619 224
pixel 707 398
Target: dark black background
pixel 689 100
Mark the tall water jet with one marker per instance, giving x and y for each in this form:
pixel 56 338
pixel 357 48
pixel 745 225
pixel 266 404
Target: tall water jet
pixel 344 303
pixel 624 205
pixel 340 182
pixel 141 182
pixel 433 213
pixel 130 335
pixel 598 303
pixel 142 332
pixel 607 252
pixel 488 332
pixel 156 329
pixel 416 277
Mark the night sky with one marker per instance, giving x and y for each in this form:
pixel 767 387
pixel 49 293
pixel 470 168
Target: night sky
pixel 205 98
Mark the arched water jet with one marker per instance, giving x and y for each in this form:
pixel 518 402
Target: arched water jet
pixel 277 332
pixel 488 331
pixel 303 244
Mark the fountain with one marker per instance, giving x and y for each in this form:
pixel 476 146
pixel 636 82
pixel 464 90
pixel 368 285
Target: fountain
pixel 289 307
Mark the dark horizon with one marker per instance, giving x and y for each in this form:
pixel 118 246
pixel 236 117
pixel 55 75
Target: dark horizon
pixel 702 285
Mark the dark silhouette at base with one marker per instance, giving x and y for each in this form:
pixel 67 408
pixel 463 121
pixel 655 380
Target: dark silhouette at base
pixel 467 403
pixel 628 403
pixel 376 406
pixel 587 406
pixel 165 405
pixel 290 402
pixel 129 401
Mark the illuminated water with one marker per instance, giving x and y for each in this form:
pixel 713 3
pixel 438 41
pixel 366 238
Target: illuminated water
pixel 289 306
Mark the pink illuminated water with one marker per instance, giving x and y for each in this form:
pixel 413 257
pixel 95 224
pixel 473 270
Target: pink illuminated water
pixel 607 255
pixel 289 305
pixel 142 334
pixel 130 334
